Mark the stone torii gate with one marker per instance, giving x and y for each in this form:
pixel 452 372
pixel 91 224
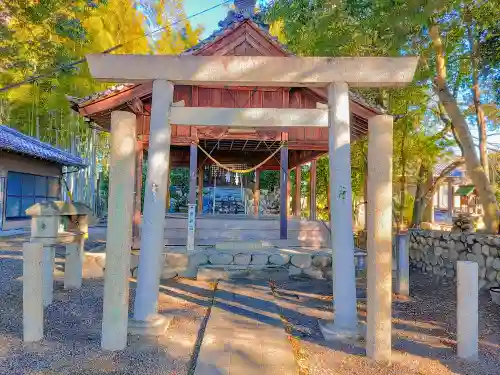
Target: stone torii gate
pixel 337 74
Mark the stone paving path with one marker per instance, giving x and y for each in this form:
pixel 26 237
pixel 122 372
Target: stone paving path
pixel 244 334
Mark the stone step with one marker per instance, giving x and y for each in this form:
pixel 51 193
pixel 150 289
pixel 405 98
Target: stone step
pixel 228 272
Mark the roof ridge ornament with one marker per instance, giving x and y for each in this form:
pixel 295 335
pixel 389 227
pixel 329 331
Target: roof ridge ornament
pixel 245 7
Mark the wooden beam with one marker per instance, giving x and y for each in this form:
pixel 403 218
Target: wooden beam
pixel 255 70
pixel 249 117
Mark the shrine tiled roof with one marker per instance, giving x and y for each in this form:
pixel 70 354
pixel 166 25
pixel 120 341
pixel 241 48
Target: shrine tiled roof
pixel 226 26
pixel 13 141
pixel 110 91
pixel 233 20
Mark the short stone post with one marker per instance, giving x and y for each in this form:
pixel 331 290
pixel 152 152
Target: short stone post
pixel 152 242
pixel 467 310
pixel 403 270
pixel 75 255
pixel 73 269
pixel 379 239
pixel 48 274
pixel 119 233
pixel 32 292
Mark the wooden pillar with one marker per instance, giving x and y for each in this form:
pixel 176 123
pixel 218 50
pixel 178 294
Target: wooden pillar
pixel 200 189
pixel 167 196
pixel 288 194
pixel 329 203
pixel 312 191
pixel 137 218
pixel 193 165
pixel 450 198
pixel 119 234
pixel 379 238
pixel 284 183
pixel 297 200
pixel 256 193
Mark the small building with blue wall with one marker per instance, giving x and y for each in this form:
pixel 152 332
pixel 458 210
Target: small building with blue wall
pixel 31 171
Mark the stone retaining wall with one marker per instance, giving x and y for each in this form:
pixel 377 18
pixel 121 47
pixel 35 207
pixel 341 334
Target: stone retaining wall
pixel 437 252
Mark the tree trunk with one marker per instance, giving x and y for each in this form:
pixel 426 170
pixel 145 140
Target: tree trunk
pixel 425 191
pixel 418 206
pixel 476 95
pixel 474 167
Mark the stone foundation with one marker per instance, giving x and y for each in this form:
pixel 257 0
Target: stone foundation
pixel 233 257
pixel 437 252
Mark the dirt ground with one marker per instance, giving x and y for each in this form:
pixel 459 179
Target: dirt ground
pixel 424 329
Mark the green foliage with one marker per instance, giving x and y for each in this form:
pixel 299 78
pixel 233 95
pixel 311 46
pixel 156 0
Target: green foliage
pixel 40 36
pixel 386 28
pixel 269 180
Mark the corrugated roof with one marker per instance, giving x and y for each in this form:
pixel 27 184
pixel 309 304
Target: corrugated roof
pixel 441 166
pixel 14 141
pixel 465 190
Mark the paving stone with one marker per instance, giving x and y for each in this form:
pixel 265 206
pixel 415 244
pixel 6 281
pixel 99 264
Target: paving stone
pixel 301 260
pixel 242 259
pixel 220 258
pixel 259 259
pixel 279 259
pixel 253 330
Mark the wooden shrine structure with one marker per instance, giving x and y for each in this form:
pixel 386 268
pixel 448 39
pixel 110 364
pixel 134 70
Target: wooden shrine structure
pixel 242 90
pixel 239 36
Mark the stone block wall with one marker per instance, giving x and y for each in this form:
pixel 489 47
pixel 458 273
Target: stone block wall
pixel 317 265
pixel 437 252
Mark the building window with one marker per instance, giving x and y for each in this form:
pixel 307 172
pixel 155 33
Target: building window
pixel 24 190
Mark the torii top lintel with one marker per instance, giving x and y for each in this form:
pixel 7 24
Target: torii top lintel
pixel 289 71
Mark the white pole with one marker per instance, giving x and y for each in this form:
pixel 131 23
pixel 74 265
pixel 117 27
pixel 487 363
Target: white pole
pixel 119 233
pixel 32 292
pixel 342 242
pixel 379 240
pixel 153 230
pixel 403 271
pixel 467 310
pixel 48 275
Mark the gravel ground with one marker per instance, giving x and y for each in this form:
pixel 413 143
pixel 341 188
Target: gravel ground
pixel 424 328
pixel 73 324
